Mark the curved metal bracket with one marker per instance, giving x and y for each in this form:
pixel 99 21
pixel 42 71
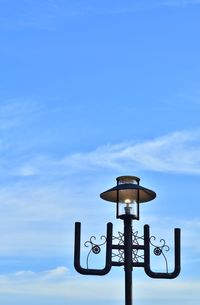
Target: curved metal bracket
pixel 162 275
pixel 108 264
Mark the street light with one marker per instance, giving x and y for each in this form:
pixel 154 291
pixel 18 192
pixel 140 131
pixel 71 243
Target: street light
pixel 128 195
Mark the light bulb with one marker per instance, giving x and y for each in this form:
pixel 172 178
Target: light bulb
pixel 127 201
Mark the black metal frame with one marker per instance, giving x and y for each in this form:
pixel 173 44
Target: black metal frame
pixel 127 246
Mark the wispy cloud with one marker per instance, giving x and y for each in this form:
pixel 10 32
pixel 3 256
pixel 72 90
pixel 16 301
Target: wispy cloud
pixel 178 152
pixel 59 282
pixel 35 207
pixel 13 112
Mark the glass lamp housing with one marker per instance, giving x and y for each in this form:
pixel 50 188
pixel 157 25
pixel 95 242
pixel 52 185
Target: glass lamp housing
pixel 127 195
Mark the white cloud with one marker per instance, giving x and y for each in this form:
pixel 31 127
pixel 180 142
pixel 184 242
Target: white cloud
pixel 106 288
pixel 15 111
pixel 34 220
pixel 57 273
pixel 37 215
pixel 178 152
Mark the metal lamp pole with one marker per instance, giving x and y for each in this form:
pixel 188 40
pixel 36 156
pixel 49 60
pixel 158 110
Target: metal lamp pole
pixel 127 195
pixel 128 258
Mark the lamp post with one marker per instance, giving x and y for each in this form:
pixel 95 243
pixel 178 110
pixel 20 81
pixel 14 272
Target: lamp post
pixel 128 194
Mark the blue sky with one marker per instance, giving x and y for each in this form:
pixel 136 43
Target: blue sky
pixel 91 90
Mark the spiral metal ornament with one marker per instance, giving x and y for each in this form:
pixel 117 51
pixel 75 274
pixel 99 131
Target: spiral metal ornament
pixel 94 247
pixel 159 250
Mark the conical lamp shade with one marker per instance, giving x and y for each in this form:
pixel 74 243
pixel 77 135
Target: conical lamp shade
pixel 132 191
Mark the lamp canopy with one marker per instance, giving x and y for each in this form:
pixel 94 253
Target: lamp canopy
pixel 128 188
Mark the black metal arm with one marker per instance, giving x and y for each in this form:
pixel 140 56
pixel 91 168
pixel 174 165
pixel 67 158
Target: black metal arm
pixel 108 263
pixel 162 275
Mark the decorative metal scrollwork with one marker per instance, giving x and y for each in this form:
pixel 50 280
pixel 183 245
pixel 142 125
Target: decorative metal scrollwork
pixel 119 254
pixel 159 250
pixel 118 251
pixel 116 247
pixel 137 255
pixel 94 247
